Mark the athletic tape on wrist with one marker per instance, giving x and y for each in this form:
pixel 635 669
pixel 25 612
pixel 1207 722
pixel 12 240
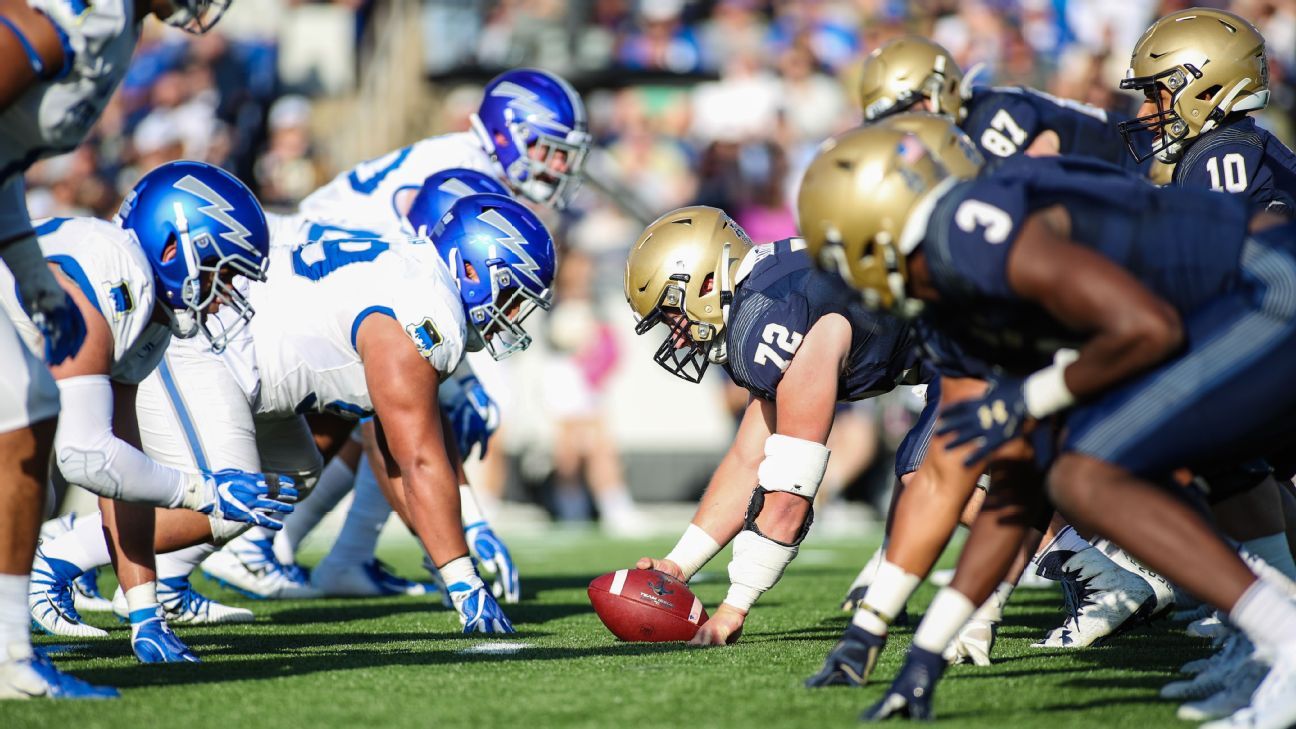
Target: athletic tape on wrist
pixel 1045 392
pixel 693 550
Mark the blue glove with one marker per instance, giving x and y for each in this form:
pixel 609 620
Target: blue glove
pixel 473 415
pixel 247 497
pixel 494 561
pixel 992 419
pixel 61 324
pixel 478 611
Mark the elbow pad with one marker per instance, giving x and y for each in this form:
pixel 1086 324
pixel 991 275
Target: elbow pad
pixel 91 456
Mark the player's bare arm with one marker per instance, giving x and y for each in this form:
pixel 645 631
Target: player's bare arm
pixel 25 24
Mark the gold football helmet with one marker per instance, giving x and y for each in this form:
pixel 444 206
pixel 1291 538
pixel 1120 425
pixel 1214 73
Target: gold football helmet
pixel 860 209
pixel 907 70
pixel 942 137
pixel 1211 62
pixel 680 272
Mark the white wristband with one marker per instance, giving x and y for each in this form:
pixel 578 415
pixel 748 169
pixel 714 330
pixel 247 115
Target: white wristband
pixel 1045 392
pixel 694 549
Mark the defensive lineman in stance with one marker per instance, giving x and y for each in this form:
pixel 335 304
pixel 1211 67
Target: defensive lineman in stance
pixel 62 62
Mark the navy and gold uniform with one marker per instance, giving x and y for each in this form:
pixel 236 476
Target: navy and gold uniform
pixel 1243 159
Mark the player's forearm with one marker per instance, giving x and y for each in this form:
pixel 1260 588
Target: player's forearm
pixel 432 496
pixel 1129 346
pixel 720 513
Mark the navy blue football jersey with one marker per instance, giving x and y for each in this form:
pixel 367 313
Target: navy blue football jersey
pixel 1242 159
pixel 778 301
pixel 1003 121
pixel 1183 244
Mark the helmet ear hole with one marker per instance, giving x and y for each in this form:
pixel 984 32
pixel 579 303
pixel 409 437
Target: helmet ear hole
pixel 1210 93
pixel 170 249
pixel 708 284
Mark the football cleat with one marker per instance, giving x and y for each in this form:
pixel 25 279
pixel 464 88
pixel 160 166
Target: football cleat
pixel 372 579
pixel 1198 665
pixel 1161 587
pixel 478 610
pixel 851 661
pixel 1273 705
pixel 1103 599
pixel 860 584
pixel 152 639
pixel 1235 695
pixel 249 567
pixel 86 595
pixel 28 673
pixel 185 605
pixel 910 695
pixel 1215 677
pixel 50 600
pixel 973 644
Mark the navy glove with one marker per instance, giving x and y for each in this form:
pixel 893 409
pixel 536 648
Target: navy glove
pixel 992 419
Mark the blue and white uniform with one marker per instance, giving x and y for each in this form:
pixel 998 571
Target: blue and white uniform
pixel 1240 158
pixel 1236 294
pixel 778 297
pixel 1003 121
pixel 376 194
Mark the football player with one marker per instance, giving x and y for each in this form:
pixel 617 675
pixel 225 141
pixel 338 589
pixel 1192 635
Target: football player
pixel 776 325
pixel 62 62
pixel 360 326
pixel 1154 288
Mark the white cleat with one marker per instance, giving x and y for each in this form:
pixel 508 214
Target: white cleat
pixel 1104 599
pixel 50 601
pixel 861 583
pixel 86 596
pixel 182 604
pixel 373 579
pixel 250 567
pixel 1161 587
pixel 1273 705
pixel 1215 677
pixel 1235 695
pixel 1031 581
pixel 973 643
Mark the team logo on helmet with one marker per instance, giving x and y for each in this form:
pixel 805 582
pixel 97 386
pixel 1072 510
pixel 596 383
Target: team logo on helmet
pixel 526 103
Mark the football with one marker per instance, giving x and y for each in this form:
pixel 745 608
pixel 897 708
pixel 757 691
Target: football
pixel 646 606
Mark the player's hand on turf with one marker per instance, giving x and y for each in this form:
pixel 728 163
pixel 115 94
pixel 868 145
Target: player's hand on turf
pixel 246 497
pixel 478 610
pixel 661 565
pixel 723 628
pixel 988 421
pixel 494 562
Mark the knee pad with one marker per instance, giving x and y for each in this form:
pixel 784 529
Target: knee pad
pixel 223 530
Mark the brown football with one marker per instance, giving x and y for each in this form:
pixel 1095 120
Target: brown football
pixel 646 606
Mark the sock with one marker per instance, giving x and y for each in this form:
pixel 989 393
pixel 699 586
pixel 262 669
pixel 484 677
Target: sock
pixel 369 511
pixel 1266 616
pixel 141 600
pixel 1267 572
pixel 15 620
pixel 85 546
pixel 992 608
pixel 1273 550
pixel 181 563
pixel 335 483
pixel 885 598
pixel 948 613
pixel 1067 540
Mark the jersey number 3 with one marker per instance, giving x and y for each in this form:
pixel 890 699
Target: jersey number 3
pixel 778 335
pixel 1235 173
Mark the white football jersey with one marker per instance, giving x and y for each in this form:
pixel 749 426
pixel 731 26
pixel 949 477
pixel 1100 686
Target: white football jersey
pixel 53 116
pixel 110 268
pixel 323 283
pixel 375 195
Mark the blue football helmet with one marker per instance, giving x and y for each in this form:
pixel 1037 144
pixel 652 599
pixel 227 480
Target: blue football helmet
pixel 196 16
pixel 440 191
pixel 199 226
pixel 526 108
pixel 503 259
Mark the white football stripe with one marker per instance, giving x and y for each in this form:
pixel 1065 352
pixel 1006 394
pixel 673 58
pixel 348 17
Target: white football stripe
pixel 695 612
pixel 618 581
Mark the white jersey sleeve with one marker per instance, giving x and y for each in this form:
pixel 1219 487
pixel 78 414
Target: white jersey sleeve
pixel 55 113
pixel 375 194
pixel 111 270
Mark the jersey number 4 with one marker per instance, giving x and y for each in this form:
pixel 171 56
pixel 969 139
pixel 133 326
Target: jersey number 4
pixel 778 335
pixel 1235 173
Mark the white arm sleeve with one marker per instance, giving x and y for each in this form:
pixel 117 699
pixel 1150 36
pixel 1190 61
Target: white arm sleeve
pixel 91 456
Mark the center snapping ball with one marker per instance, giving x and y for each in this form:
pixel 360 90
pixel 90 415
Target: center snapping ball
pixel 641 606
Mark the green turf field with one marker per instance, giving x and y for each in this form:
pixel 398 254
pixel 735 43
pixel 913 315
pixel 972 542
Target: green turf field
pixel 401 662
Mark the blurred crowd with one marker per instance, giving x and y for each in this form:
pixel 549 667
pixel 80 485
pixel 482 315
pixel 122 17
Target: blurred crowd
pixel 718 102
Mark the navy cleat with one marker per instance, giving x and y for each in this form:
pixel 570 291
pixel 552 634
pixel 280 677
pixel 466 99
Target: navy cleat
pixel 851 661
pixel 910 695
pixel 153 641
pixel 30 674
